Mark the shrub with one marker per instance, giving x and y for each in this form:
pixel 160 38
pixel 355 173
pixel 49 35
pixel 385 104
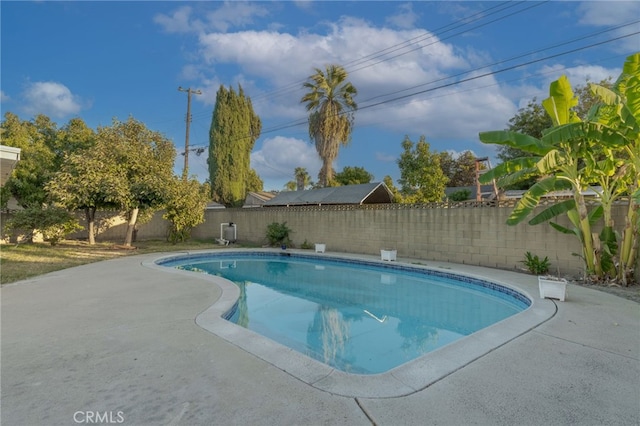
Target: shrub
pixel 55 223
pixel 460 195
pixel 185 208
pixel 535 265
pixel 278 234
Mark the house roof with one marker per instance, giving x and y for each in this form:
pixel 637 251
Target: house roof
pixel 262 195
pixel 213 205
pixel 257 199
pixel 367 193
pixel 9 157
pixel 567 193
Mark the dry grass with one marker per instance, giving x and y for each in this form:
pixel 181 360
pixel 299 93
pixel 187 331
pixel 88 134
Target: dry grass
pixel 29 260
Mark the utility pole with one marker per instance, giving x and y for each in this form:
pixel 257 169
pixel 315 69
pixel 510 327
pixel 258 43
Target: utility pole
pixel 185 170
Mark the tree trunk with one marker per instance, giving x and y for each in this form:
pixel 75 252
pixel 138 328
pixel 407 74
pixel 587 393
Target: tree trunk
pixel 90 213
pixel 133 218
pixel 593 267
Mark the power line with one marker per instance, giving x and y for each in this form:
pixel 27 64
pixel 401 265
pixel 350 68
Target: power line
pixel 299 122
pixel 511 59
pixel 407 43
pixel 510 68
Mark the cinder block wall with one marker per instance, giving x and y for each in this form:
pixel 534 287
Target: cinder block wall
pixel 471 235
pixel 477 236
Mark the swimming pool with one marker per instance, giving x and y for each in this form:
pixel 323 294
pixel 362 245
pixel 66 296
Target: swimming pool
pixel 359 316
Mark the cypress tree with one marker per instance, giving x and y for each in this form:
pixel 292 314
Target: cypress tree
pixel 235 127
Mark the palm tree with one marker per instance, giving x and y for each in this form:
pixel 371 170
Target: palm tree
pixel 331 111
pixel 302 178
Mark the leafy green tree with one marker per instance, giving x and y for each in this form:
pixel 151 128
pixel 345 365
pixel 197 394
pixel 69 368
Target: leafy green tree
pixel 36 140
pixel 185 207
pixel 235 127
pixel 388 181
pixel 43 149
pixel 72 137
pixel 331 108
pixel 461 170
pixel 254 183
pixel 422 179
pixel 575 154
pixel 90 179
pixel 146 159
pixel 353 176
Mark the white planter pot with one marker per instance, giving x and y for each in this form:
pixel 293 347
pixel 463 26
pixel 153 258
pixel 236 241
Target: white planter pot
pixel 388 254
pixel 552 288
pixel 320 248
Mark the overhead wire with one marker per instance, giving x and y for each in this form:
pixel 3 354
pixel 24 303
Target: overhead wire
pixel 303 121
pixel 407 43
pixel 296 86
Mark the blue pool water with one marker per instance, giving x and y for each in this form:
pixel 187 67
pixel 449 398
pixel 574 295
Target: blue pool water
pixel 360 317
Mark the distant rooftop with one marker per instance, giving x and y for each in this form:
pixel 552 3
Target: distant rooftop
pixel 367 193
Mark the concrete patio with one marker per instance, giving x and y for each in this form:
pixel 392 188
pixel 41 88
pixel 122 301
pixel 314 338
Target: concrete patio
pixel 120 339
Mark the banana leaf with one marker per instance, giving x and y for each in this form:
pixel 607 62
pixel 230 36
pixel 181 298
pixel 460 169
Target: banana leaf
pixel 516 140
pixel 510 167
pixel 560 101
pixel 585 131
pixel 595 215
pixel 564 230
pixel 631 77
pixel 552 161
pixel 553 211
pixel 531 199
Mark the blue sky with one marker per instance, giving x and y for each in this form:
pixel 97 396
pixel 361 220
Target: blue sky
pixel 446 70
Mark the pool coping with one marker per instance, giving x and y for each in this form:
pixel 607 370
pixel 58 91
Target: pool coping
pixel 403 380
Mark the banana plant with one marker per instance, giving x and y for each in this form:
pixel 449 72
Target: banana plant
pixel 620 109
pixel 574 154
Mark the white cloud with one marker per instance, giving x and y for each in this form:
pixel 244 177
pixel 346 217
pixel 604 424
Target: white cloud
pixel 271 66
pixel 178 22
pixel 279 59
pixel 578 75
pixel 278 157
pixel 50 98
pixel 235 14
pixel 228 15
pixel 4 97
pixel 405 18
pixel 601 13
